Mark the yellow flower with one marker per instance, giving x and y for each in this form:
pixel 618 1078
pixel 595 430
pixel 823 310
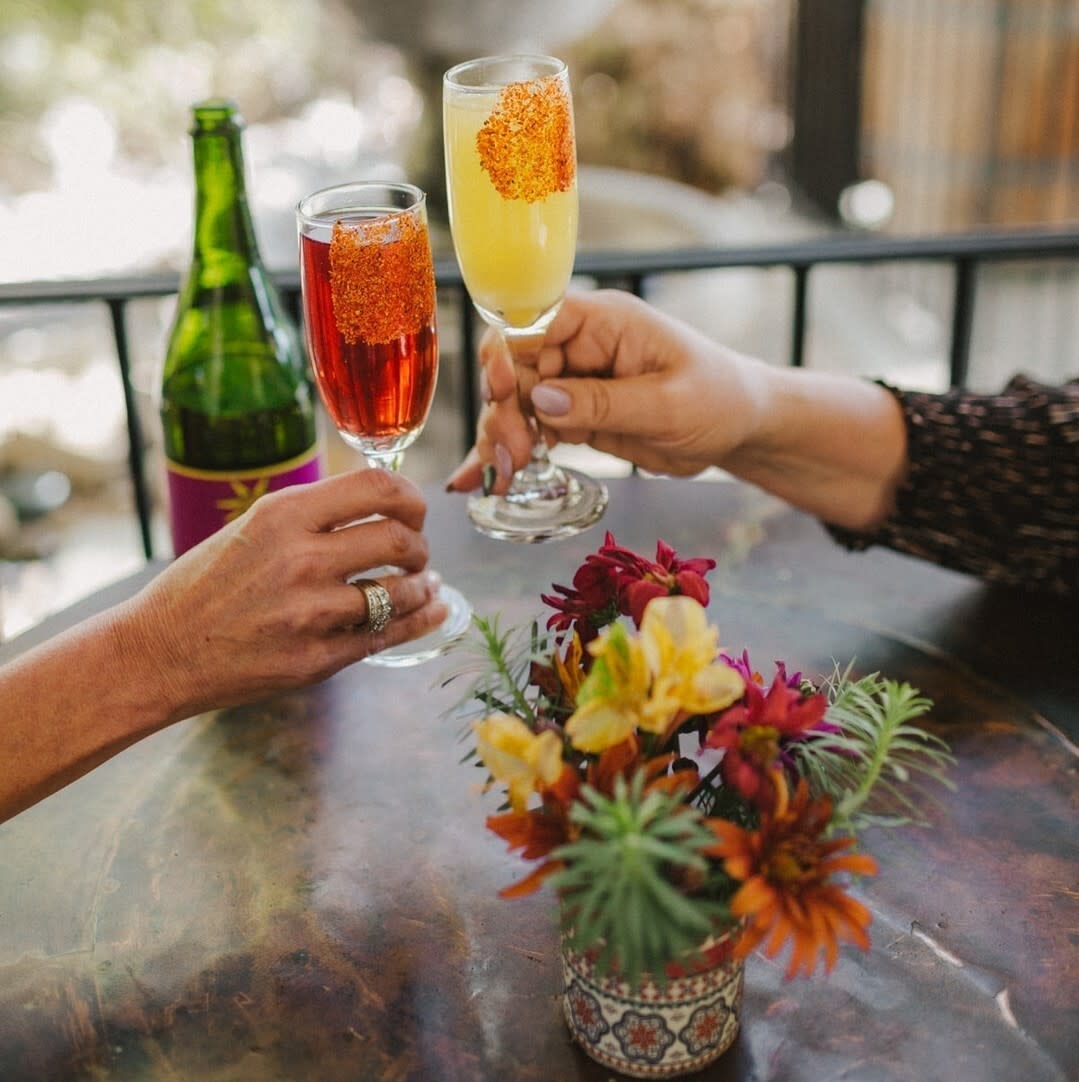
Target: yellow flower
pixel 519 758
pixel 680 646
pixel 610 702
pixel 645 683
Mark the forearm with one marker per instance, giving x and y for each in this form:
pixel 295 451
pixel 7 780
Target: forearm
pixel 834 446
pixel 74 702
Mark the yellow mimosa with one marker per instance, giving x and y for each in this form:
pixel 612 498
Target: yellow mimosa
pixel 511 179
pixel 516 254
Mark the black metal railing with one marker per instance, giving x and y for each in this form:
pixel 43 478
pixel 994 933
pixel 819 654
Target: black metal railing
pixel 630 270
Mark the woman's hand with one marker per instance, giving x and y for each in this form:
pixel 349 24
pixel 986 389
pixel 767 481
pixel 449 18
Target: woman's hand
pixel 261 606
pixel 620 376
pixel 266 604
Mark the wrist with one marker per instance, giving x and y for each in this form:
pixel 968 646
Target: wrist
pixel 158 678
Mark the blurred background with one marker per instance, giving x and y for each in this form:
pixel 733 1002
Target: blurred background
pixel 714 122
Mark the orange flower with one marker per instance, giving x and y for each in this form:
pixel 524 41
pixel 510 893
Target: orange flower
pixel 535 833
pixel 787 892
pixel 539 830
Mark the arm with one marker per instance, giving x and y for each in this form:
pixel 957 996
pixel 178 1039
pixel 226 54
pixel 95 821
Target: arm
pixel 987 484
pixel 262 606
pixel 629 381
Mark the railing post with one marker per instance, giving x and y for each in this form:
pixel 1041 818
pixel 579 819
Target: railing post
pixel 798 317
pixel 962 320
pixel 117 308
pixel 468 359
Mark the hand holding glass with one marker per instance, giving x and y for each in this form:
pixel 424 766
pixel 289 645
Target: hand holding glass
pixel 368 286
pixel 511 175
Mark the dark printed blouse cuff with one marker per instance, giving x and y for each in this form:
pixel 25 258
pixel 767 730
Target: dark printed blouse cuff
pixel 992 486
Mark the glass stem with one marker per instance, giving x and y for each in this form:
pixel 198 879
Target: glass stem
pixel 540 469
pixel 391 462
pixel 541 472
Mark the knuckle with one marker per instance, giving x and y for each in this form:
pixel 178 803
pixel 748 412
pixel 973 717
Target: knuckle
pixel 600 401
pixel 399 540
pixel 385 485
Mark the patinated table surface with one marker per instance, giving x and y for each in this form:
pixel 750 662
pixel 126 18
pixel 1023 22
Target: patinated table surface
pixel 304 889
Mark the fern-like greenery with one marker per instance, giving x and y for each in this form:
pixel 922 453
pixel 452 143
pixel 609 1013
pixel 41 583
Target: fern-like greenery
pixel 876 768
pixel 496 665
pixel 617 889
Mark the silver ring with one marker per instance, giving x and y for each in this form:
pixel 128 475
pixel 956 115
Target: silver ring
pixel 379 605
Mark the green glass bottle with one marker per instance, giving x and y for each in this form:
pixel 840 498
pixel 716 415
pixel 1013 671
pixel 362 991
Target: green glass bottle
pixel 237 407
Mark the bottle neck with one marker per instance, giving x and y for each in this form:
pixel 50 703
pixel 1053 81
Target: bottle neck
pixel 224 234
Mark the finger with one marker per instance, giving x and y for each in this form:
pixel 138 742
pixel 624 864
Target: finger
pixel 467 476
pixel 349 645
pixel 357 494
pixel 587 336
pixel 504 440
pixel 411 626
pixel 607 406
pixel 407 594
pixel 373 543
pixel 497 366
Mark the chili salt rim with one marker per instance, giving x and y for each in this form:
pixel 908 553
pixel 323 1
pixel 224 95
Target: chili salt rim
pixel 526 144
pixel 382 277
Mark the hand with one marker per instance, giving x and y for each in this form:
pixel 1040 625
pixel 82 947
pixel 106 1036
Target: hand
pixel 618 375
pixel 265 605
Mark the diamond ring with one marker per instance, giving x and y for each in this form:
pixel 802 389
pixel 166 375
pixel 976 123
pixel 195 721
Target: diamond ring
pixel 379 605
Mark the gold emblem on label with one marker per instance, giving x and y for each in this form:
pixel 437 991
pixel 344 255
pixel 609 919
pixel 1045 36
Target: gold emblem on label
pixel 243 497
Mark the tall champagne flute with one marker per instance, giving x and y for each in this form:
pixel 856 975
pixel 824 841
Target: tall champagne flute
pixel 511 176
pixel 368 286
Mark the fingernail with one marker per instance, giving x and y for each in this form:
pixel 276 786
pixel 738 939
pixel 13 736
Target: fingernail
pixel 490 475
pixel 485 388
pixel 551 400
pixel 504 462
pixel 432 580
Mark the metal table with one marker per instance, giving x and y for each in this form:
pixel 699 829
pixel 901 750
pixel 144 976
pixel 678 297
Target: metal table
pixel 304 888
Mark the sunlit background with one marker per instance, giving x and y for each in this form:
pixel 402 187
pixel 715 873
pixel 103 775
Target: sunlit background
pixel 698 121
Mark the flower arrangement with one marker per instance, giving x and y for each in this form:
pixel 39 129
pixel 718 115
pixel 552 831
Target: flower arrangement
pixel 672 795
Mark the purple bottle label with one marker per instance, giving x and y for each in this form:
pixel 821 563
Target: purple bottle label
pixel 202 501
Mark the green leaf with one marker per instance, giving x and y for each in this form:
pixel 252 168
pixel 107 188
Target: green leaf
pixel 873 769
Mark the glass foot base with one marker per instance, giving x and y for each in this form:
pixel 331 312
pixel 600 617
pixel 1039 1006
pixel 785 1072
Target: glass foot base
pixel 544 514
pixel 434 643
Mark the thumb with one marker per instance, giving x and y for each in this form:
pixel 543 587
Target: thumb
pixel 599 405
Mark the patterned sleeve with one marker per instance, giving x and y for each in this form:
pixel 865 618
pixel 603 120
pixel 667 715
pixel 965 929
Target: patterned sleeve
pixel 992 487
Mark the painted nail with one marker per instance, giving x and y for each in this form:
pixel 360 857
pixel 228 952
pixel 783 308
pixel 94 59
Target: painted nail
pixel 504 462
pixel 551 400
pixel 490 475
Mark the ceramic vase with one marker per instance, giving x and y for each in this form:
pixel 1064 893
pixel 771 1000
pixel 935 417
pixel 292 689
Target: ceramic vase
pixel 655 1029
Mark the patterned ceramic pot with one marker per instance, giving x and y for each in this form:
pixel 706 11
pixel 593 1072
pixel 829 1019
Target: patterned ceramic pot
pixel 651 1030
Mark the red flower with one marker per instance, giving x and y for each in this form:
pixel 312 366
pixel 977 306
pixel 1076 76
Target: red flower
pixel 617 580
pixel 591 602
pixel 756 730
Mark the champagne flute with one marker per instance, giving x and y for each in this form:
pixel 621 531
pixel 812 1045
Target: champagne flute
pixel 368 286
pixel 511 176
